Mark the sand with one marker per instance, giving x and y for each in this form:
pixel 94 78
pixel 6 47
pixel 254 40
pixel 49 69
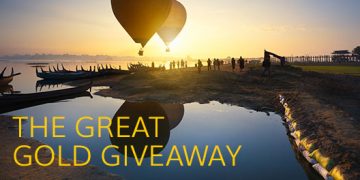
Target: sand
pixel 326 106
pixel 9 170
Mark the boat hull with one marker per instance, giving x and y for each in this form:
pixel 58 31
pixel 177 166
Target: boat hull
pixel 5 81
pixel 16 99
pixel 79 75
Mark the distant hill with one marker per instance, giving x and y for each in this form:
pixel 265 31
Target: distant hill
pixel 56 57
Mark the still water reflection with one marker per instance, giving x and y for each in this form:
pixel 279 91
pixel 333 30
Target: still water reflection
pixel 266 151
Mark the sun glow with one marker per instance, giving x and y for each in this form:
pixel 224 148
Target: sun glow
pixel 213 29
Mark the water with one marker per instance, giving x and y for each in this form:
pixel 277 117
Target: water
pixel 266 150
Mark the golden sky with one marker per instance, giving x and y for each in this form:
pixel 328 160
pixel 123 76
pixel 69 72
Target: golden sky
pixel 215 28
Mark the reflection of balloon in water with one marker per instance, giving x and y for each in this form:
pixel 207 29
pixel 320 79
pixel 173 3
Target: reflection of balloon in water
pixel 141 18
pixel 173 24
pixel 134 111
pixel 173 114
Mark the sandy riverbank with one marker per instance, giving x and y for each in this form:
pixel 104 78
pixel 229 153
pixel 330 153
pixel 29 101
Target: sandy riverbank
pixel 9 170
pixel 326 106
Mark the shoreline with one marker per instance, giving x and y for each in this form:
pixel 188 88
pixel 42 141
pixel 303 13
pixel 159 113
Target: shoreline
pixel 331 126
pixel 324 105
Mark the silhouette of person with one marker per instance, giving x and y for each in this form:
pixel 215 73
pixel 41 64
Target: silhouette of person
pixel 266 64
pixel 241 63
pixel 233 64
pixel 209 64
pixel 199 65
pixel 282 61
pixel 215 64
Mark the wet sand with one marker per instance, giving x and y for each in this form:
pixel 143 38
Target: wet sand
pixel 326 106
pixel 9 170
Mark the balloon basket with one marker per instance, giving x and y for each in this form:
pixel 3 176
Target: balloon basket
pixel 168 50
pixel 141 52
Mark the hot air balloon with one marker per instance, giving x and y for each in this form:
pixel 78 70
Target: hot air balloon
pixel 141 18
pixel 173 24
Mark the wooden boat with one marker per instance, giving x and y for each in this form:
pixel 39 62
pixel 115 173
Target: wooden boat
pixel 6 89
pixel 14 107
pixel 139 67
pixel 5 80
pixel 62 75
pixel 58 74
pixel 18 99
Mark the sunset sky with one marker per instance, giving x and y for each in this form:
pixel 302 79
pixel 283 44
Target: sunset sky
pixel 215 28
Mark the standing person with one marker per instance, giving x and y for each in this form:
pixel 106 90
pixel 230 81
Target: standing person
pixel 199 65
pixel 178 64
pixel 282 61
pixel 182 63
pixel 170 65
pixel 153 65
pixel 233 64
pixel 209 64
pixel 214 64
pixel 174 64
pixel 186 66
pixel 218 63
pixel 241 63
pixel 266 64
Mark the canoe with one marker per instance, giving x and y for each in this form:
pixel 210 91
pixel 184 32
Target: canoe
pixel 63 75
pixel 9 99
pixel 5 80
pixel 12 102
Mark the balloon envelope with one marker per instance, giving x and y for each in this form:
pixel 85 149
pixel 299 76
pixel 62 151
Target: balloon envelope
pixel 141 18
pixel 174 23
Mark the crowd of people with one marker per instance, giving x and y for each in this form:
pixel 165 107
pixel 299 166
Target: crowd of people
pixel 179 64
pixel 216 64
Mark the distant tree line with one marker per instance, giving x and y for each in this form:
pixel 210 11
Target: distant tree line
pixel 55 57
pixel 356 50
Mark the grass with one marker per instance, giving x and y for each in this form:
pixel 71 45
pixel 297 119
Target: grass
pixel 349 70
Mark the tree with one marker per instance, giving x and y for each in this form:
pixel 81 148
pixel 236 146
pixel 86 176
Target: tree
pixel 357 50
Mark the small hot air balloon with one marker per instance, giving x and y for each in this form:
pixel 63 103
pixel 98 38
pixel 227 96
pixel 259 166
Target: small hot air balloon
pixel 173 24
pixel 141 18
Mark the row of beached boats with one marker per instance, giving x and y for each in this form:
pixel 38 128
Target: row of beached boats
pixel 64 74
pixel 10 100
